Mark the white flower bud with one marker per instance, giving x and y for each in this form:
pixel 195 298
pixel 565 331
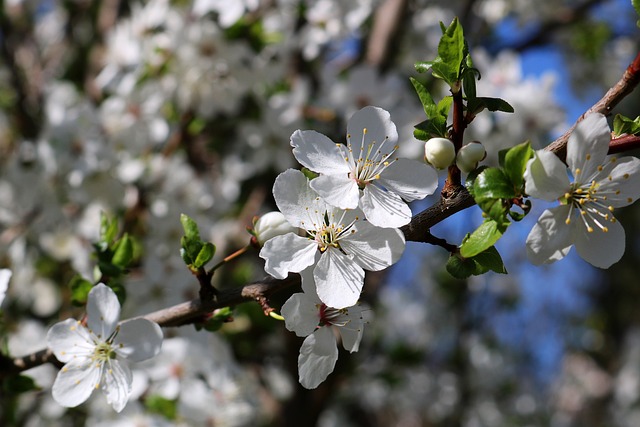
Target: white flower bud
pixel 439 152
pixel 469 156
pixel 270 225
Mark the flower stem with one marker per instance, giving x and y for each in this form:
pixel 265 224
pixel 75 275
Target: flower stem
pixel 230 257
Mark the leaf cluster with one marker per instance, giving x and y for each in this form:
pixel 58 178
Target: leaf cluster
pixel 195 252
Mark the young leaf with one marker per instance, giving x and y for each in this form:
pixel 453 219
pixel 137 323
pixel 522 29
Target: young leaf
pixel 482 238
pixel 190 227
pixel 451 52
pixel 124 252
pixel 515 163
pixel 476 105
pixel 460 267
pixel 79 290
pixel 492 183
pixel 490 259
pixel 624 125
pixel 204 256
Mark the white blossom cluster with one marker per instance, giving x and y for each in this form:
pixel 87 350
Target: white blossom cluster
pixel 350 214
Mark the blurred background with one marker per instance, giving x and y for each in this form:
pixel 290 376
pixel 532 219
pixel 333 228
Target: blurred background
pixel 145 110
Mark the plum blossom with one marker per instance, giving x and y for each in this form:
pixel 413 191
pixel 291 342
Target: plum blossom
pixel 364 172
pixel 339 243
pixel 309 317
pixel 584 217
pixel 97 355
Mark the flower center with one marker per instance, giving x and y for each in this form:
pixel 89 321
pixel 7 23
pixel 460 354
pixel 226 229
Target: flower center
pixel 371 161
pixel 592 206
pixel 103 352
pixel 332 316
pixel 327 231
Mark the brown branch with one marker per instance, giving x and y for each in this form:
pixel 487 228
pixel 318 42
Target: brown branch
pixel 624 87
pixel 417 230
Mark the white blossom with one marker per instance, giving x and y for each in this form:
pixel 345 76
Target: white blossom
pixel 364 172
pixel 309 317
pixel 339 243
pixel 97 355
pixel 584 217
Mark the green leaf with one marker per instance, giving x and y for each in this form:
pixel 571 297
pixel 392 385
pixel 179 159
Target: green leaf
pixel 108 231
pixel 190 249
pixel 451 53
pixel 80 289
pixel 425 97
pixel 492 183
pixel 515 163
pixel 636 6
pixel 204 256
pixel 16 384
pixel 124 252
pixel 624 125
pixel 482 238
pixel 460 267
pixel 190 227
pixel 476 105
pixel 436 123
pixel 159 405
pixel 490 259
pixel 469 83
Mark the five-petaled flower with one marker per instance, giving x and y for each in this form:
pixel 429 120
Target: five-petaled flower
pixel 339 243
pixel 309 317
pixel 584 217
pixel 96 355
pixel 364 173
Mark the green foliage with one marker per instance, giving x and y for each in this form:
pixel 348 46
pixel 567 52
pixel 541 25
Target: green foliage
pixel 636 6
pixel 80 289
pixel 162 406
pixel 16 384
pixel 452 52
pixel 195 252
pixel 436 123
pixel 114 255
pixel 624 125
pixel 461 267
pixel 496 190
pixel 482 238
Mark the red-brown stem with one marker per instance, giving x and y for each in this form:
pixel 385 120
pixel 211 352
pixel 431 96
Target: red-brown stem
pixel 456 135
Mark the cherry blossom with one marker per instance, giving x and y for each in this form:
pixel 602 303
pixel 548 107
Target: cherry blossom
pixel 96 355
pixel 584 217
pixel 364 173
pixel 5 276
pixel 339 243
pixel 309 317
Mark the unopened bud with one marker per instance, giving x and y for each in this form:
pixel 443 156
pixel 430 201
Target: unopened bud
pixel 439 152
pixel 469 156
pixel 270 225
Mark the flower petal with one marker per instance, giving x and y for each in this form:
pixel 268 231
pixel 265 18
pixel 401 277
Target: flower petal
pixel 117 384
pixel 288 253
pixel 620 181
pixel 550 239
pixel 318 356
pixel 295 198
pixel 138 339
pixel 300 314
pixel 374 248
pixel 601 249
pixel 410 179
pixel 337 190
pixel 103 311
pixel 69 339
pixel 379 127
pixel 76 381
pixel 338 279
pixel 546 176
pixel 588 146
pixel 319 153
pixel 384 208
pixel 351 332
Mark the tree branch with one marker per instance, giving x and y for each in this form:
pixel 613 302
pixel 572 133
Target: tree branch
pixel 417 230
